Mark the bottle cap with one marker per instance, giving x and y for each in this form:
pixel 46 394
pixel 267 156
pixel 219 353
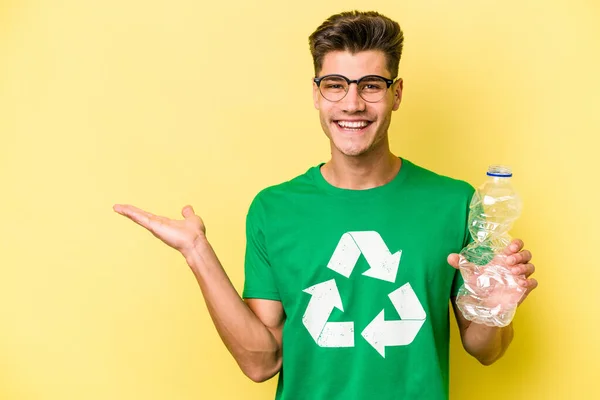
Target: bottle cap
pixel 501 171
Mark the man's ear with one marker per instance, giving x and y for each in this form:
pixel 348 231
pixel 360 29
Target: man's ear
pixel 316 95
pixel 399 87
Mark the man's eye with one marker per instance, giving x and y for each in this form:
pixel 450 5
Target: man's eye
pixel 372 86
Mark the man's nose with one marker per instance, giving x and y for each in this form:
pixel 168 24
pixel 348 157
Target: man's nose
pixel 352 102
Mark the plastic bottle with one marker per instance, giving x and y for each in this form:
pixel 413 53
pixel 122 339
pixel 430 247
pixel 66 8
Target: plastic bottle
pixel 491 293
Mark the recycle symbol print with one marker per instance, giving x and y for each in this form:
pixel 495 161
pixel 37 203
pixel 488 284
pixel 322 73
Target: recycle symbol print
pixel 325 296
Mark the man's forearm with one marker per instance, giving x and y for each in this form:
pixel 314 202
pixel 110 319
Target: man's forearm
pixel 486 343
pixel 252 344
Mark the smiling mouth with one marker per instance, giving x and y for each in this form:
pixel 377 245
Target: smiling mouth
pixel 352 126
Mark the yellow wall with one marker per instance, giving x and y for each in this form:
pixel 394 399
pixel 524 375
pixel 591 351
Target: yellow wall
pixel 160 103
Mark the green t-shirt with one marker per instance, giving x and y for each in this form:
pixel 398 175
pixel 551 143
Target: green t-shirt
pixel 364 282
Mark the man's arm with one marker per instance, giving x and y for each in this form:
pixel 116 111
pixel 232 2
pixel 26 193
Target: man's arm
pixel 483 342
pixel 487 344
pixel 251 330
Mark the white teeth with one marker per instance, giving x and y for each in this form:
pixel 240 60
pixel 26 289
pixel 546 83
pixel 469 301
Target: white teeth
pixel 353 124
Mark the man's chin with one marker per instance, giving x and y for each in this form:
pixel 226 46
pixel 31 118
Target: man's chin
pixel 351 151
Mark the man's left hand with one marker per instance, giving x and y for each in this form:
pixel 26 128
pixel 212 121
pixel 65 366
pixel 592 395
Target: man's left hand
pixel 519 262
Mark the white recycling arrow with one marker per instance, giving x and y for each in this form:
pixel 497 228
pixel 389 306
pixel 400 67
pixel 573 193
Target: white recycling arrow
pixel 383 264
pixel 326 297
pixel 381 333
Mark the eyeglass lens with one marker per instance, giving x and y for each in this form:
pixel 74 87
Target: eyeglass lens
pixel 371 89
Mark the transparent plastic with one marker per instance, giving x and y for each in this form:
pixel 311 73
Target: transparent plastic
pixel 491 292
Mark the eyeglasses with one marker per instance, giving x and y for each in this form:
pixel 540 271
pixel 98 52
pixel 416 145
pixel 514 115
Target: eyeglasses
pixel 371 88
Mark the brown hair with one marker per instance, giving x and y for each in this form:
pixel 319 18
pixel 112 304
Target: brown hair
pixel 356 31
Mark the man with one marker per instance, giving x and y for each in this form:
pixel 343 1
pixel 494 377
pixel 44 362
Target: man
pixel 347 285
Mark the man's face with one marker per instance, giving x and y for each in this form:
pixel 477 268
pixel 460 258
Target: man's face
pixel 354 126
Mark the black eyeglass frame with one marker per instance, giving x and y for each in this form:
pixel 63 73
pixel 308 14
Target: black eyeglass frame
pixel 389 82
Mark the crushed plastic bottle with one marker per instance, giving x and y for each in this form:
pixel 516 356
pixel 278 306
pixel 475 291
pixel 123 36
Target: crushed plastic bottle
pixel 490 293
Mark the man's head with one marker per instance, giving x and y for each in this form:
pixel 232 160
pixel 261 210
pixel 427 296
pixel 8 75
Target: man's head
pixel 345 48
pixel 356 31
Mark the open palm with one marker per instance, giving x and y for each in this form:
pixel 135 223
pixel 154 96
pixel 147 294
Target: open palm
pixel 179 234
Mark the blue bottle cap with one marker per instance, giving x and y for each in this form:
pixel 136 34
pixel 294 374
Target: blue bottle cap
pixel 500 171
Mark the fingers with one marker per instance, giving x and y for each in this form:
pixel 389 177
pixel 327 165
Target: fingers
pixel 515 246
pixel 522 257
pixel 525 269
pixel 126 209
pixel 187 211
pixel 135 214
pixel 453 260
pixel 529 284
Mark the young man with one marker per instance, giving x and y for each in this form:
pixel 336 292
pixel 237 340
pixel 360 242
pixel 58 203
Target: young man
pixel 347 277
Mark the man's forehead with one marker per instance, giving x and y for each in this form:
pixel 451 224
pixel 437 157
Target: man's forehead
pixel 355 65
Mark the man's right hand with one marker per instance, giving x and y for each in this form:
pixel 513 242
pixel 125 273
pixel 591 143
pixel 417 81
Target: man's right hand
pixel 251 331
pixel 181 235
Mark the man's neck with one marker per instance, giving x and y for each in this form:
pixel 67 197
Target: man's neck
pixel 363 172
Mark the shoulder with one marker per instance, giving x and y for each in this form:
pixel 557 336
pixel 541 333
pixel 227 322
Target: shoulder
pixel 424 179
pixel 285 191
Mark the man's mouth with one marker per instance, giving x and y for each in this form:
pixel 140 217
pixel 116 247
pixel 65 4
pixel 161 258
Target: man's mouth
pixel 352 126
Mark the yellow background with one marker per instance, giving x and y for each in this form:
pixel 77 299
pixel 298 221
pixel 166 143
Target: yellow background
pixel 162 103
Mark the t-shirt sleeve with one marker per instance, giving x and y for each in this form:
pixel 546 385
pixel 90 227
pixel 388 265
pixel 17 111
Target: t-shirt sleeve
pixel 458 281
pixel 258 274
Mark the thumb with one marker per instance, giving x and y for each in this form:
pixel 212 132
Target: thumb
pixel 187 212
pixel 453 260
